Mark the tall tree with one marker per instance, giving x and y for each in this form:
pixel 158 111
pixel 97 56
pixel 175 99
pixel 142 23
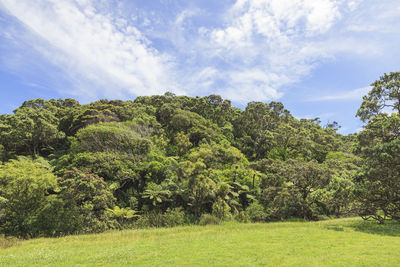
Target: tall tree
pixel 30 130
pixel 379 145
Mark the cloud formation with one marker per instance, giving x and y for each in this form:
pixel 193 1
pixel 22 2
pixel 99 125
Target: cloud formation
pixel 92 46
pixel 356 94
pixel 252 50
pixel 269 44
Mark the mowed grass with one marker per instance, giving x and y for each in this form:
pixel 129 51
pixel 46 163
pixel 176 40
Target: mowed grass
pixel 342 242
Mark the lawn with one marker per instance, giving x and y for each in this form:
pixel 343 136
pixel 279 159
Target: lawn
pixel 342 242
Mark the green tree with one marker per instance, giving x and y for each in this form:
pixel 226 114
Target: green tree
pixel 156 193
pixel 288 188
pixel 24 186
pixel 82 204
pixel 30 131
pixel 378 184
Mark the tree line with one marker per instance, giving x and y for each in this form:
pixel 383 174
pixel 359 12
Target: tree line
pixel 166 160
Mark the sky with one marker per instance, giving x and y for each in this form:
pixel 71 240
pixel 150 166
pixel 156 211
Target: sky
pixel 317 57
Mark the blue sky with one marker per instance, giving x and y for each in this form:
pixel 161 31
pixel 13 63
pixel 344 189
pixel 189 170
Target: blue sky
pixel 318 57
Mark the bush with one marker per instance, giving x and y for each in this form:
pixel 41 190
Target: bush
pixel 24 184
pixel 81 206
pixel 174 217
pixel 242 217
pixel 124 216
pixel 207 219
pixel 221 209
pixel 3 153
pixel 256 212
pixel 171 218
pixel 7 241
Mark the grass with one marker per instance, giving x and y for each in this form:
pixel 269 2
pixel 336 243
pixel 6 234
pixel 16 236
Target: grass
pixel 342 242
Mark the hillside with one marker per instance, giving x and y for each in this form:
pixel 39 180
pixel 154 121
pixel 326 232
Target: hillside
pixel 168 160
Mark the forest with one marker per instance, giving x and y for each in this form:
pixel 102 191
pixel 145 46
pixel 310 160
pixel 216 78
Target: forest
pixel 168 160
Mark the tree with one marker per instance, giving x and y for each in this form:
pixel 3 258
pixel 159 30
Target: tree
pixel 378 184
pixel 338 196
pixel 24 186
pixel 81 205
pixel 156 194
pixel 192 124
pixel 34 130
pixel 384 96
pixel 118 137
pixel 288 189
pixel 174 154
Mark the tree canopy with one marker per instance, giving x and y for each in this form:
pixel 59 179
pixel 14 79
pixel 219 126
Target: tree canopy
pixel 379 146
pixel 165 160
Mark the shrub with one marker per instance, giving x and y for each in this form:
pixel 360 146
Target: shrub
pixel 7 241
pixel 124 216
pixel 174 217
pixel 81 206
pixel 256 212
pixel 221 209
pixel 24 184
pixel 171 218
pixel 207 219
pixel 242 217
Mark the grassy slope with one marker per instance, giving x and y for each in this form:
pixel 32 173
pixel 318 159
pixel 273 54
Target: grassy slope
pixel 341 242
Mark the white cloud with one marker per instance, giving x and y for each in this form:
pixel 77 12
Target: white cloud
pixel 266 45
pixel 183 15
pixel 251 84
pixel 95 48
pixel 356 94
pixel 353 4
pixel 284 40
pixel 253 50
pixel 375 17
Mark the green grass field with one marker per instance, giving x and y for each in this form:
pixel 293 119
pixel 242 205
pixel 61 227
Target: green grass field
pixel 343 242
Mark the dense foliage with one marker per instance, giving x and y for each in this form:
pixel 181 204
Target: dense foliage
pixel 24 185
pixel 378 183
pixel 166 160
